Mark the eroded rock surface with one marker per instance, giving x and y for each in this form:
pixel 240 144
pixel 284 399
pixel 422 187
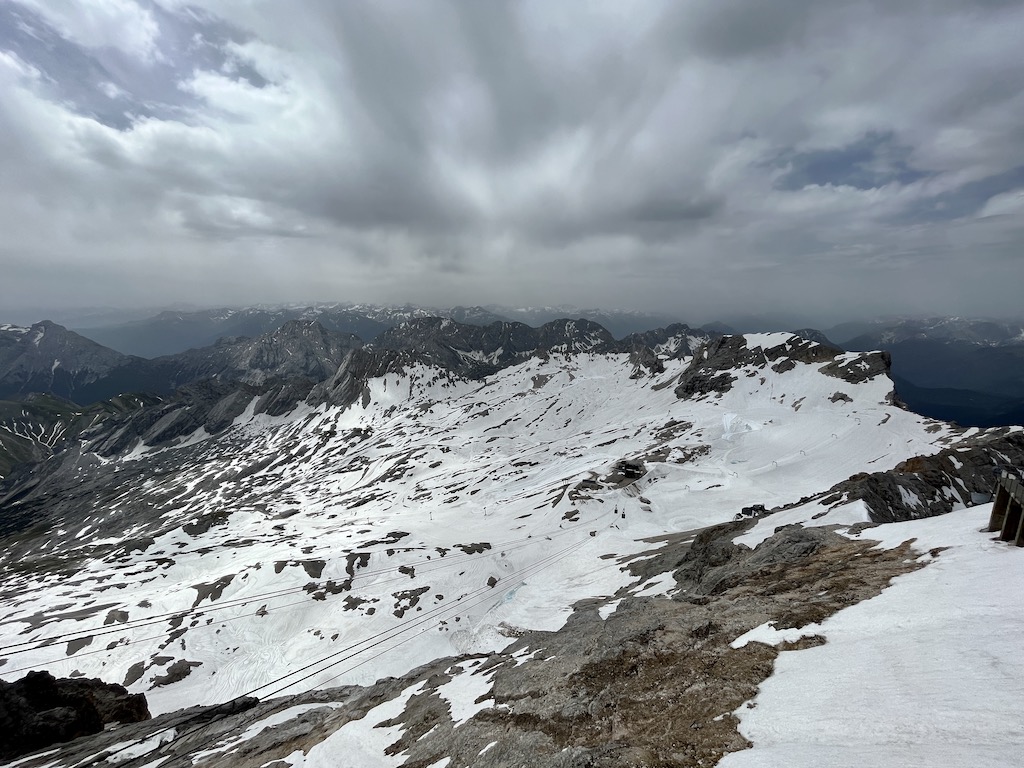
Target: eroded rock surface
pixel 653 683
pixel 925 486
pixel 40 710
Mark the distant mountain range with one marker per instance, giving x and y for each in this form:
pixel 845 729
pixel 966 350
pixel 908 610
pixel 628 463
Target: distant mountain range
pixel 966 370
pixel 954 369
pixel 171 332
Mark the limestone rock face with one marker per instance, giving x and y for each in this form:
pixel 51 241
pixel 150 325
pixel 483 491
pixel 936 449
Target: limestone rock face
pixel 925 486
pixel 708 372
pixel 298 348
pixel 474 351
pixel 40 710
pixel 862 368
pixel 655 681
pixel 47 357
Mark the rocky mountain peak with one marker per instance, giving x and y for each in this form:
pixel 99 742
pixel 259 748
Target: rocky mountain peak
pixel 48 357
pixel 475 351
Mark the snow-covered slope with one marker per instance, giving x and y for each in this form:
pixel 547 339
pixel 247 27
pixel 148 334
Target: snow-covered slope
pixel 437 515
pixel 927 673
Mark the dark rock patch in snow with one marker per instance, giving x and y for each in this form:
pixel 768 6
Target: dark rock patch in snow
pixel 40 710
pixel 925 486
pixel 653 683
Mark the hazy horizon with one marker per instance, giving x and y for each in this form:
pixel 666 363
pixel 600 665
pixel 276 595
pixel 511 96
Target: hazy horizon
pixel 84 318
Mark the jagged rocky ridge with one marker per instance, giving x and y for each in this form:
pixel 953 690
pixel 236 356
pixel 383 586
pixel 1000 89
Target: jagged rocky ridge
pixel 170 396
pixel 474 352
pixel 51 359
pixel 171 332
pixel 353 425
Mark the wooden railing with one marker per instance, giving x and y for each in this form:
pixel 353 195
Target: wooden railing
pixel 1008 509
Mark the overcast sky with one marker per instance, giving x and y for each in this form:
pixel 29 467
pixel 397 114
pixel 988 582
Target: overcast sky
pixel 840 158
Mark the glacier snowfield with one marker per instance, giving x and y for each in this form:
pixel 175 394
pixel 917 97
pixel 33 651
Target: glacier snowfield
pixel 321 530
pixel 439 516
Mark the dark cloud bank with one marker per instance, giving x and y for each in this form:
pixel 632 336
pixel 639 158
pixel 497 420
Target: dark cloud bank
pixel 834 159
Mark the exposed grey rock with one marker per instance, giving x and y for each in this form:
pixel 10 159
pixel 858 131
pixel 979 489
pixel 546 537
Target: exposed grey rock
pixel 39 710
pixel 281 396
pixel 475 352
pixel 648 349
pixel 349 385
pixel 708 372
pixel 299 348
pixel 860 368
pixel 49 358
pixel 655 683
pixel 926 486
pixel 458 350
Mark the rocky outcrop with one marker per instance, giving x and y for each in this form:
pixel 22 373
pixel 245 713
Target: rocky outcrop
pixel 655 682
pixel 299 348
pixel 40 710
pixel 709 371
pixel 349 383
pixel 859 368
pixel 925 486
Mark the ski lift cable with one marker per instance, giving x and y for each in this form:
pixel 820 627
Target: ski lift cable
pixel 197 611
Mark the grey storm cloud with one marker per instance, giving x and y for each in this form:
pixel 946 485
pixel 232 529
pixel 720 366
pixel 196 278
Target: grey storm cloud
pixel 840 157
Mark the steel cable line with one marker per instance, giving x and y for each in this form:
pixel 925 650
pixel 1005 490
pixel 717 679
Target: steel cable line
pixel 401 628
pixel 275 609
pixel 393 632
pixel 379 637
pixel 415 635
pixel 184 612
pixel 198 612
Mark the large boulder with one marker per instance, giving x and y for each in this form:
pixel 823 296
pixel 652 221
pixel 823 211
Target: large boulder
pixel 40 710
